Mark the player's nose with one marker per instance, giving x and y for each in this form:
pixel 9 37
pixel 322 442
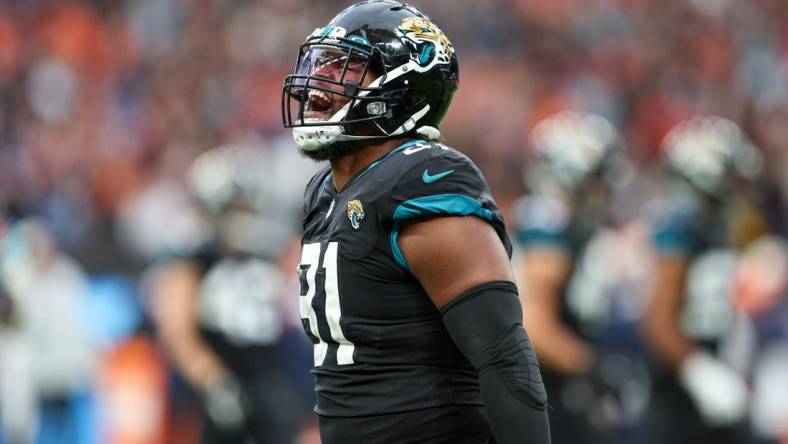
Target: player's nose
pixel 330 76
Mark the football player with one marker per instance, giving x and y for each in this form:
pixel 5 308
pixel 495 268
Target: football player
pixel 578 281
pixel 406 287
pixel 218 310
pixel 707 217
pixel 761 292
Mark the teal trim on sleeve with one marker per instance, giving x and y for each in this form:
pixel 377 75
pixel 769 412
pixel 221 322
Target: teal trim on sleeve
pixel 529 238
pixel 450 204
pixel 671 242
pixel 439 204
pixel 395 248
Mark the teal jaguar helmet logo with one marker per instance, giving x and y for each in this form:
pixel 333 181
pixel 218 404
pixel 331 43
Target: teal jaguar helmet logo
pixel 355 212
pixel 431 43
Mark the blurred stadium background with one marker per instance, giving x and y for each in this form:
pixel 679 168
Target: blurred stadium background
pixel 104 104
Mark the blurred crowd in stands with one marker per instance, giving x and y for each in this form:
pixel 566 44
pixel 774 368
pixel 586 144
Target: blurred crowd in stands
pixel 105 104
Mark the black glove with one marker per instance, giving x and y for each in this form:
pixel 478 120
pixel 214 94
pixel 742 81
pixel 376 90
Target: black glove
pixel 613 393
pixel 225 403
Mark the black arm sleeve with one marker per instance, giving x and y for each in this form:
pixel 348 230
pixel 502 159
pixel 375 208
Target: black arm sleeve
pixel 486 323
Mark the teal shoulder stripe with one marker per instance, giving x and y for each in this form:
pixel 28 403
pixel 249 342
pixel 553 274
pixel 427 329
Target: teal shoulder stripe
pixel 439 204
pixel 531 236
pixel 450 204
pixel 675 242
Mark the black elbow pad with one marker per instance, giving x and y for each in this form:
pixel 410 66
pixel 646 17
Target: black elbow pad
pixel 486 323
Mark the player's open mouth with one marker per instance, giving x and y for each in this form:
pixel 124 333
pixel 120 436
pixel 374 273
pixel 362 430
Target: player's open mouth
pixel 319 105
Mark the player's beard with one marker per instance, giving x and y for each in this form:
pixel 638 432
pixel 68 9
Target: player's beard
pixel 340 149
pixel 334 151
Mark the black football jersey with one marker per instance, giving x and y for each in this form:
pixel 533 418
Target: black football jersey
pixel 379 343
pixel 237 310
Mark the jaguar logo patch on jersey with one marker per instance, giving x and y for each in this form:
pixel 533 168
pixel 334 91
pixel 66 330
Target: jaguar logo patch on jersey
pixel 431 43
pixel 355 212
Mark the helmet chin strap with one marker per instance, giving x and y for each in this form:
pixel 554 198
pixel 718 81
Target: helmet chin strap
pixel 411 122
pixel 312 138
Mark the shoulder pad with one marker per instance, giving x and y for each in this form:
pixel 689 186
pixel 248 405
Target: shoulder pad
pixel 432 169
pixel 433 180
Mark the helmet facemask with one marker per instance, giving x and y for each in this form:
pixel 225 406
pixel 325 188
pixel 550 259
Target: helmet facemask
pixel 334 95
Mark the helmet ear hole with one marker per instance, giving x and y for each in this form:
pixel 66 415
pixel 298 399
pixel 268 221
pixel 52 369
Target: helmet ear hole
pixel 376 66
pixel 414 102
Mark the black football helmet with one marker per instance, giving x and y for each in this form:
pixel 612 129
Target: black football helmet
pixel 708 152
pixel 569 148
pixel 243 202
pixel 379 69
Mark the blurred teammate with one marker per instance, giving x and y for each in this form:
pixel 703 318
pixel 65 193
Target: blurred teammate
pixel 47 363
pixel 761 291
pixel 406 288
pixel 218 310
pixel 575 261
pixel 700 228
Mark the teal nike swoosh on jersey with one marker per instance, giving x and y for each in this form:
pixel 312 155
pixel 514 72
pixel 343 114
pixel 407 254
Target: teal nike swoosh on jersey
pixel 427 178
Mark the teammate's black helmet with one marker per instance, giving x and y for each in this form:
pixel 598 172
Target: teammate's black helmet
pixel 709 152
pixel 244 203
pixel 410 61
pixel 569 148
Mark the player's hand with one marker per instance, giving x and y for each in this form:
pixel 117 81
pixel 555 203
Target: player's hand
pixel 616 378
pixel 225 403
pixel 604 407
pixel 720 394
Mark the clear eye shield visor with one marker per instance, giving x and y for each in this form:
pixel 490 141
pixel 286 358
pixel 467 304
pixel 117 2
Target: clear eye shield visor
pixel 327 83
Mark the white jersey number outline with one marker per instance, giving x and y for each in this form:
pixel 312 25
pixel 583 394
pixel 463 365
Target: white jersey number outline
pixel 310 263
